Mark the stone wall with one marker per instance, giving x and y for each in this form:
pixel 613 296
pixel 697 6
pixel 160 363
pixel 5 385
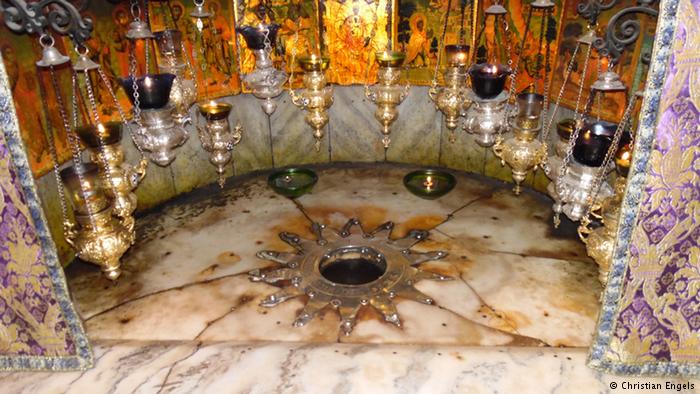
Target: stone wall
pixel 352 135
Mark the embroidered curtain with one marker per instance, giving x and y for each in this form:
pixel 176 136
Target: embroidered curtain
pixel 39 329
pixel 650 320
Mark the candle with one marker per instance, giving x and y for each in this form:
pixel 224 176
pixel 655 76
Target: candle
pixel 214 110
pixel 623 160
pixel 390 58
pixel 313 63
pixel 565 127
pixel 110 132
pixel 488 80
pixel 457 55
pixel 292 182
pixel 429 184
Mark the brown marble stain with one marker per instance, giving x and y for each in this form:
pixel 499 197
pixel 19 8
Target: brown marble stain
pixel 370 216
pixel 225 259
pixel 515 319
pixel 243 299
pixel 441 268
pixel 228 258
pixel 297 224
pixel 578 290
pixel 457 356
pixel 498 320
pixel 425 222
pixel 368 313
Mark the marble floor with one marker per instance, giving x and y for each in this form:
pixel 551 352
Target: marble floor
pixel 286 368
pixel 517 281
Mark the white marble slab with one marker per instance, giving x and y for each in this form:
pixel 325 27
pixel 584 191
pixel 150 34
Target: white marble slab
pixel 188 367
pixel 186 279
pixel 191 243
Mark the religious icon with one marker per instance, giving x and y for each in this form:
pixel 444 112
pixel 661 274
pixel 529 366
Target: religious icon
pixel 213 51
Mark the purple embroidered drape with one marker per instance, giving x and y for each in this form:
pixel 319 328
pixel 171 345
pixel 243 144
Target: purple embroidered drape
pixel 653 326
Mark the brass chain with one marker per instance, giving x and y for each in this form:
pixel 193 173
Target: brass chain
pixel 120 110
pixel 506 38
pixel 538 57
pixel 199 36
pixel 563 169
pixel 147 44
pixel 100 139
pixel 74 142
pixel 567 74
pixel 52 143
pixel 372 35
pixel 545 79
pixel 521 46
pixel 134 85
pixel 441 45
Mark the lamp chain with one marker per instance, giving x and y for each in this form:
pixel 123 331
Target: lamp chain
pixel 75 144
pixel 514 74
pixel 100 138
pixel 372 35
pixel 52 144
pixel 441 45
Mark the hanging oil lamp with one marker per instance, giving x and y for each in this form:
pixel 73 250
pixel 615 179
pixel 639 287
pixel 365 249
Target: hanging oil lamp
pixel 553 164
pixel 101 231
pixel 174 60
pixel 451 99
pixel 387 94
pixel 100 235
pixel 600 241
pixel 157 131
pixel 104 146
pixel 216 136
pixel 524 152
pixel 97 236
pixel 487 115
pixel 580 185
pixel 265 81
pixel 317 95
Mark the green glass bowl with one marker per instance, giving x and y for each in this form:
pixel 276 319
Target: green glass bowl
pixel 429 184
pixel 292 182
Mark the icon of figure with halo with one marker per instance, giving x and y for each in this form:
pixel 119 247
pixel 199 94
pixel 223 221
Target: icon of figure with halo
pixel 418 47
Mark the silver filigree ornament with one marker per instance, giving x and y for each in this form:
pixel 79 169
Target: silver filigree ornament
pixel 347 270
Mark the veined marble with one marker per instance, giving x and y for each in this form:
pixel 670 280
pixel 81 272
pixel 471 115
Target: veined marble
pixel 516 282
pixel 280 368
